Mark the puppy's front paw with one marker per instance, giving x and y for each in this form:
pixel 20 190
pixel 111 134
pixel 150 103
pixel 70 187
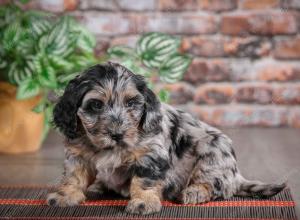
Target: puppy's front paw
pixel 139 206
pixel 63 200
pixel 96 188
pixel 194 194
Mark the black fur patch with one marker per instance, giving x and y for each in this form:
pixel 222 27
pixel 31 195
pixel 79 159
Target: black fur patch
pixel 152 167
pixel 218 185
pixel 169 192
pixel 174 128
pixel 232 153
pixel 65 112
pixel 180 143
pixel 148 183
pixel 225 154
pixel 234 170
pixel 185 142
pixel 215 140
pixel 193 123
pixel 151 119
pixel 210 157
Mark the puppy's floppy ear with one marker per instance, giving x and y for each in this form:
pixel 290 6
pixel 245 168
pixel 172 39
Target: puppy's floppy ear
pixel 65 111
pixel 151 116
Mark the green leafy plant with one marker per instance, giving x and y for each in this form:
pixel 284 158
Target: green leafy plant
pixel 40 53
pixel 157 57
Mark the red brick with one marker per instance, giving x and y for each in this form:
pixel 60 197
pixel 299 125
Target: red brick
pixel 241 70
pixel 101 46
pixel 288 95
pixel 253 47
pixel 259 23
pixel 214 94
pixel 207 70
pixel 235 24
pixel 208 46
pixel 4 2
pixel 178 24
pixel 254 93
pixel 177 5
pixel 259 4
pixel 52 6
pixel 109 23
pixel 288 48
pixel 180 93
pixel 99 5
pixel 278 72
pixel 134 5
pixel 204 46
pixel 242 115
pixel 291 4
pixel 70 5
pixel 294 117
pixel 124 40
pixel 217 5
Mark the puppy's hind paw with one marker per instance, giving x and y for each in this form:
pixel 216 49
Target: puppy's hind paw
pixel 61 200
pixel 138 206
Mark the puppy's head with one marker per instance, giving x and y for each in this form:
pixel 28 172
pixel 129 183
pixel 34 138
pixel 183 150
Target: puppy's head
pixel 108 104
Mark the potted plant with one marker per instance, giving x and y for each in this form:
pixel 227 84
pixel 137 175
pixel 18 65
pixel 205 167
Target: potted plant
pixel 39 54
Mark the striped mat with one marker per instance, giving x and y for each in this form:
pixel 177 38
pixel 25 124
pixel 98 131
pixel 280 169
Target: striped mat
pixel 28 202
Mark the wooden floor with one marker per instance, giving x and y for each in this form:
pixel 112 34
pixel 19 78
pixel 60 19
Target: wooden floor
pixel 270 155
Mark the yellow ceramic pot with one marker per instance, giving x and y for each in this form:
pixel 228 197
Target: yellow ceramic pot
pixel 20 128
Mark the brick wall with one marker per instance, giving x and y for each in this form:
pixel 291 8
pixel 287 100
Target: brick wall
pixel 246 70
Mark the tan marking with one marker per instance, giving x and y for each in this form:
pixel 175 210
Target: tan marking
pixel 149 194
pixel 134 155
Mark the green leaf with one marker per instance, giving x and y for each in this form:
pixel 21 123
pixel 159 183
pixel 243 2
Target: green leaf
pixel 24 1
pixel 11 36
pixel 82 61
pixel 39 107
pixel 60 63
pixel 154 48
pixel 27 89
pixel 39 27
pixel 164 95
pixel 47 77
pixel 134 67
pixel 58 41
pixel 26 46
pixel 173 68
pixel 67 77
pixel 121 52
pixel 3 64
pixel 86 41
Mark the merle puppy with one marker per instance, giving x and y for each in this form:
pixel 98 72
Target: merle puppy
pixel 120 137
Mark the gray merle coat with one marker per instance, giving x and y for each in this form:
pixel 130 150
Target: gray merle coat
pixel 120 137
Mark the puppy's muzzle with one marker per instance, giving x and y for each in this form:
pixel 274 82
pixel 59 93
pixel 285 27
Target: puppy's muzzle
pixel 117 136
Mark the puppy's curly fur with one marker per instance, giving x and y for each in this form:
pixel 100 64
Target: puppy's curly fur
pixel 120 137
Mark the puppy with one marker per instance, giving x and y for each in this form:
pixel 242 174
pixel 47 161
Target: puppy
pixel 120 137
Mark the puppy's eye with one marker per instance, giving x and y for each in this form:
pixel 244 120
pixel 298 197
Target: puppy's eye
pixel 132 102
pixel 94 105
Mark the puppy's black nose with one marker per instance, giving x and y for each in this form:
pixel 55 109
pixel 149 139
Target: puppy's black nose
pixel 117 136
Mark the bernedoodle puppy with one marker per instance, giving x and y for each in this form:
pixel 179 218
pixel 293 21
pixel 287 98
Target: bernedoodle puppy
pixel 120 137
